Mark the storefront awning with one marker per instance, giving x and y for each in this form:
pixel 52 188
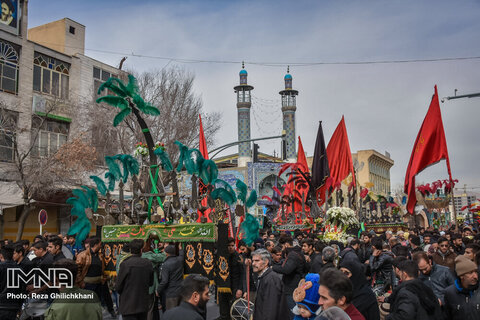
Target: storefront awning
pixel 10 194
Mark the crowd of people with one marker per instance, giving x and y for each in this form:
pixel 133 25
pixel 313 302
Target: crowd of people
pixel 419 274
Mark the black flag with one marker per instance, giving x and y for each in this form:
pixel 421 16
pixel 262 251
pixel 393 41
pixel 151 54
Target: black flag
pixel 320 169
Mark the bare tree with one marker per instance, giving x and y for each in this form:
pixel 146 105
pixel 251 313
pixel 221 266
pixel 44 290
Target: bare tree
pixel 41 174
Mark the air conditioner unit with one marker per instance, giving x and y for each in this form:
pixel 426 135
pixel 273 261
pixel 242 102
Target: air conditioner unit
pixel 38 104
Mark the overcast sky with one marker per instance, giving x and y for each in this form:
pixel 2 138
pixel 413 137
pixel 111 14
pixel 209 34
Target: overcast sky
pixel 384 104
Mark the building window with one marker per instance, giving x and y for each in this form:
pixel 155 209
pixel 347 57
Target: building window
pixel 8 68
pixel 50 76
pixel 8 125
pixel 99 77
pixel 72 30
pixel 51 136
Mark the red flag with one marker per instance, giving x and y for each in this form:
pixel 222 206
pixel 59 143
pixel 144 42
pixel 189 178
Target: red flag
pixel 293 186
pixel 203 143
pixel 429 148
pixel 339 155
pixel 301 159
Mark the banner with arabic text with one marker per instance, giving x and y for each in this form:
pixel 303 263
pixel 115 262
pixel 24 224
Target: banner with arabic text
pixel 205 232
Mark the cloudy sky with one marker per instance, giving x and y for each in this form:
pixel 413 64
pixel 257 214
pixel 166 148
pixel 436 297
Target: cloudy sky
pixel 383 103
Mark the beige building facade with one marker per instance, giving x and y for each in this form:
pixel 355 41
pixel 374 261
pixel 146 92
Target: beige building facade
pixel 40 67
pixel 373 170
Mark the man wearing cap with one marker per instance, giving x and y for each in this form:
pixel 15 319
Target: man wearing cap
pixel 462 299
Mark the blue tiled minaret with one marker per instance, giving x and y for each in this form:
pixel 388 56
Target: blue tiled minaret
pixel 244 103
pixel 289 106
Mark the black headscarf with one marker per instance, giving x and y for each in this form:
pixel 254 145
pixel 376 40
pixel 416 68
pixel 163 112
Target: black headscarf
pixel 358 278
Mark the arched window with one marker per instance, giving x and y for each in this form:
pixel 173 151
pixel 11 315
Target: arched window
pixel 265 187
pixel 50 76
pixel 8 68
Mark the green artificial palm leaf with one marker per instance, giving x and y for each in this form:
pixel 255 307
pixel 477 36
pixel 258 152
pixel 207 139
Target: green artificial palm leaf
pixel 77 226
pixel 151 110
pixel 112 87
pixel 221 184
pixel 123 89
pixel 132 164
pixel 113 167
pixel 139 102
pixel 164 159
pixel 102 188
pixel 77 208
pixel 120 116
pixel 224 195
pixel 208 172
pixel 194 161
pixel 252 199
pixel 132 86
pixel 81 227
pixel 183 155
pixel 241 191
pixel 250 228
pixel 124 160
pixel 93 197
pixel 82 197
pixel 104 85
pixel 111 180
pixel 114 101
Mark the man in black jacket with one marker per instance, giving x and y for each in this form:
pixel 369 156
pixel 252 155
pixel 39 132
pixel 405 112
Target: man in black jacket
pixel 55 248
pixel 19 257
pixel 195 295
pixel 293 269
pixel 134 279
pixel 8 307
pixel 43 258
pixel 412 299
pixel 437 277
pixel 236 287
pixel 462 299
pixel 328 259
pixel 366 249
pixel 270 301
pixel 171 278
pixel 381 265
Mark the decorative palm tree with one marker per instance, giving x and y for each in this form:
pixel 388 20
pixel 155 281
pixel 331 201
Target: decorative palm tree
pixel 127 99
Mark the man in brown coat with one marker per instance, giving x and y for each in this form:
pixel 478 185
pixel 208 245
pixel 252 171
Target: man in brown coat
pixel 444 256
pixel 84 262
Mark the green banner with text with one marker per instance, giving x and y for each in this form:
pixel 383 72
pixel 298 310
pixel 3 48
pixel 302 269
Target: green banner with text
pixel 206 232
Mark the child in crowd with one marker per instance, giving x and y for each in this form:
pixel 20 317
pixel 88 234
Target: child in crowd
pixel 306 296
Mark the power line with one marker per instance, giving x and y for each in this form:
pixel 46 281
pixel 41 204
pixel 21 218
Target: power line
pixel 274 63
pixel 283 64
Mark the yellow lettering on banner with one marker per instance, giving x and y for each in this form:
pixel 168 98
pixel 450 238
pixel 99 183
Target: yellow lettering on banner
pixel 421 142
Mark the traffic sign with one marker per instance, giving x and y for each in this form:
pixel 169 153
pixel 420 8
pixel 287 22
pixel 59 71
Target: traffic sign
pixel 42 217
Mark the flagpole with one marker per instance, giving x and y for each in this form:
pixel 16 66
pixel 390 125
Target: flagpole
pixel 454 212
